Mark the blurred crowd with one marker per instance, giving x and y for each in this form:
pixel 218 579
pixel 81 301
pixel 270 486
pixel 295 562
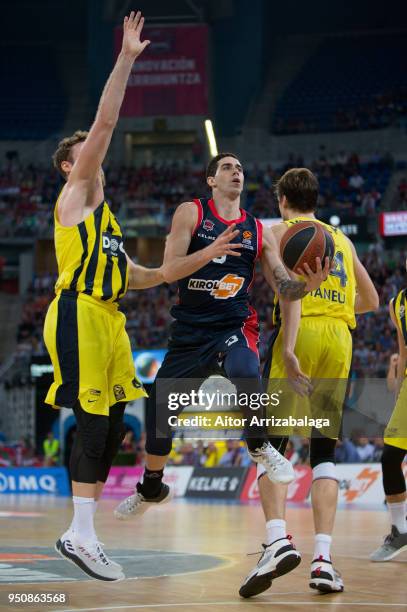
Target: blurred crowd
pixel 148 316
pixel 233 453
pixel 147 196
pixel 388 108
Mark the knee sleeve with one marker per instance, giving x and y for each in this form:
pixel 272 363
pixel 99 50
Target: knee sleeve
pixel 394 482
pixel 115 436
pixel 322 450
pixel 89 445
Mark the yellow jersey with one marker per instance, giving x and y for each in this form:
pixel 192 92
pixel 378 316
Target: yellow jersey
pixel 399 304
pixel 91 257
pixel 336 296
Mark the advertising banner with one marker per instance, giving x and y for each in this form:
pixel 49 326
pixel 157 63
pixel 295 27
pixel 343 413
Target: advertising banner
pixel 393 223
pixel 216 483
pixel 40 481
pixel 361 483
pixel 297 490
pixel 170 77
pixel 122 480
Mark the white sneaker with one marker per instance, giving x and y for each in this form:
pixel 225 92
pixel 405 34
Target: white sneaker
pixel 69 534
pixel 324 577
pixel 89 557
pixel 277 467
pixel 277 559
pixel 137 504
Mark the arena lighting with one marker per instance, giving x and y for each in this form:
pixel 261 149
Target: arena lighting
pixel 334 220
pixel 210 134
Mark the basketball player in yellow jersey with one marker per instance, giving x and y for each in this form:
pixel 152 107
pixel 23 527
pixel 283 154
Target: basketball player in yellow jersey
pixel 395 444
pixel 312 342
pixel 84 331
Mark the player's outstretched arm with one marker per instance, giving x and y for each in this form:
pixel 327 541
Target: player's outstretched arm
pixel 367 298
pixel 177 264
pixel 143 278
pixel 82 178
pixel 291 316
pixel 278 277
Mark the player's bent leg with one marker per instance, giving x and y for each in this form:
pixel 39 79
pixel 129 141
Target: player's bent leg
pixel 242 368
pixel 394 485
pixel 280 555
pixel 80 544
pixel 324 496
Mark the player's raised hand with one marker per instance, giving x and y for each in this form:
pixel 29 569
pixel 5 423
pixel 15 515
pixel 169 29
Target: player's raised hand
pixel 132 28
pixel 223 244
pixel 314 279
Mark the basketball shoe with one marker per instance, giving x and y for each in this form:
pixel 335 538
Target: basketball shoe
pixel 277 467
pixel 137 504
pixel 89 557
pixel 324 577
pixel 277 559
pixel 393 544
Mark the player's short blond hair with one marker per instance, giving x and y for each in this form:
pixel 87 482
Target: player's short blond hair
pixel 63 151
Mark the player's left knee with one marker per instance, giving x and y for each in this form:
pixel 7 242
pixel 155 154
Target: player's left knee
pixel 322 458
pixel 326 470
pixel 242 362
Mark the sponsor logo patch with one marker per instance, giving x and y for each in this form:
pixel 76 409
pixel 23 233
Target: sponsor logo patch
pixel 119 392
pixel 208 225
pixel 223 289
pixel 112 244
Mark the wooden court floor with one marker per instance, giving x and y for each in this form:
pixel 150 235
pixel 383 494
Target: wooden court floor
pixel 190 556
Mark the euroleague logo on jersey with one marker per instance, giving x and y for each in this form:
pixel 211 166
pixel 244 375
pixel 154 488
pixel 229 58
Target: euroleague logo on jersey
pixel 208 225
pixel 111 244
pixel 223 289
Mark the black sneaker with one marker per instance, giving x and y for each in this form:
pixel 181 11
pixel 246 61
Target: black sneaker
pixel 277 559
pixel 324 577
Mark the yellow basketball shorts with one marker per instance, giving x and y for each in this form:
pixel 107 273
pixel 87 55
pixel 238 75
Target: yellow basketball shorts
pixel 91 354
pixel 395 433
pixel 324 351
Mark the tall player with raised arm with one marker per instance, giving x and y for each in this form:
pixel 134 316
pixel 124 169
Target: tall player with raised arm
pixel 84 331
pixel 214 321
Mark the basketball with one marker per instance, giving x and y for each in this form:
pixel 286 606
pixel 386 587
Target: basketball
pixel 303 242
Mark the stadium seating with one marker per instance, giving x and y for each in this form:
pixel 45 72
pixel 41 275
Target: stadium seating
pixel 32 102
pixel 348 83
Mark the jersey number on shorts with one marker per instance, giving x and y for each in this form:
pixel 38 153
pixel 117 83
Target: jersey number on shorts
pixel 339 269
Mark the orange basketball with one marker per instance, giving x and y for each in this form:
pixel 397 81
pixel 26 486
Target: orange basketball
pixel 303 242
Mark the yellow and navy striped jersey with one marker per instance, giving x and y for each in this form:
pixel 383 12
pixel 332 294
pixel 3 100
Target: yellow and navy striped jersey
pixel 336 296
pixel 399 304
pixel 91 257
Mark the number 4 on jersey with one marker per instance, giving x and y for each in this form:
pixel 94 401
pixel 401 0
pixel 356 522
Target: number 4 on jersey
pixel 339 269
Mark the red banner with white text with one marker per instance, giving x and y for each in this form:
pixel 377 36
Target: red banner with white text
pixel 170 77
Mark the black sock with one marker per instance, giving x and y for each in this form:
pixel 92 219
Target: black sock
pixel 254 443
pixel 151 485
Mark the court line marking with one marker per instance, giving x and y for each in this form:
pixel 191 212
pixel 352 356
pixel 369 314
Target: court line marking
pixel 234 603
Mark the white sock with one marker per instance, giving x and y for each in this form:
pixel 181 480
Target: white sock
pixel 398 515
pixel 276 529
pixel 83 518
pixel 95 505
pixel 322 548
